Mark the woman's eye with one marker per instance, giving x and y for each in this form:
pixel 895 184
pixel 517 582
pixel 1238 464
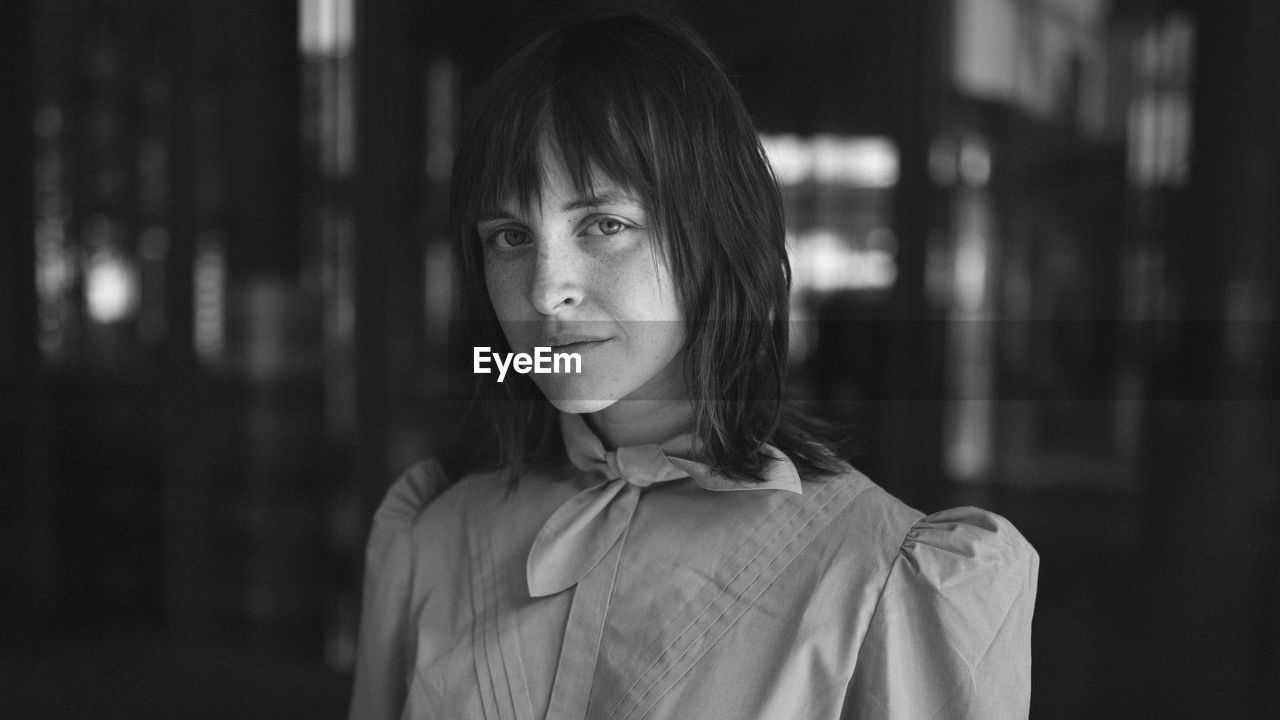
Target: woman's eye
pixel 508 238
pixel 608 226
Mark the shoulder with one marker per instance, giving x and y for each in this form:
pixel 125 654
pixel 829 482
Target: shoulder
pixel 407 497
pixel 938 546
pixel 411 493
pixel 867 518
pixel 425 487
pixel 950 632
pixel 970 546
pixel 971 532
pixel 423 492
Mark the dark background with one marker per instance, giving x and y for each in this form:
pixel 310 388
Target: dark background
pixel 225 298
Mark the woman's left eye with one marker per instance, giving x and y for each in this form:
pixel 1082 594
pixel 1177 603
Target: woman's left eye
pixel 606 226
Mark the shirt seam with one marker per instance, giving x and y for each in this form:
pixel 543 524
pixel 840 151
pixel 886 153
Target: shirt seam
pixel 694 621
pixel 880 595
pixel 736 601
pixel 613 584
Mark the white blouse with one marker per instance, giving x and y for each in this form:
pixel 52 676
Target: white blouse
pixel 639 584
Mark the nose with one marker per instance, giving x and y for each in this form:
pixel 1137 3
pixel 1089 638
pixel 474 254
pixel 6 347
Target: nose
pixel 557 282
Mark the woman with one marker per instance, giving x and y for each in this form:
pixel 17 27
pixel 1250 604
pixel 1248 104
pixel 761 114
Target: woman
pixel 662 535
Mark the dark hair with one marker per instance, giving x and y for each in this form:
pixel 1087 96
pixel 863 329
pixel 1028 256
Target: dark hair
pixel 643 99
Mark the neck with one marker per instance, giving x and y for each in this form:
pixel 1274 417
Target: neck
pixel 641 422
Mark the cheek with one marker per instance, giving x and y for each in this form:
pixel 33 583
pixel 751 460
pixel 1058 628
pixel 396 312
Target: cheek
pixel 501 284
pixel 637 288
pixel 509 305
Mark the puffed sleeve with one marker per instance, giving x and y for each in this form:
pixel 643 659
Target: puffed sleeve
pixel 951 633
pixel 385 644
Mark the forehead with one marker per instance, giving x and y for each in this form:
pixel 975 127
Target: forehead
pixel 558 184
pixel 525 147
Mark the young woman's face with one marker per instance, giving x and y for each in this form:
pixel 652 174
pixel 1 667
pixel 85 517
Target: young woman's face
pixel 586 275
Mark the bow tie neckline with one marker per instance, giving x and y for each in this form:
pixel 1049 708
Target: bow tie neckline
pixel 583 529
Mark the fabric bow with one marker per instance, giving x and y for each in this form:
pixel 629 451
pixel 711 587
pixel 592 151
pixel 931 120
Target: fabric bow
pixel 582 530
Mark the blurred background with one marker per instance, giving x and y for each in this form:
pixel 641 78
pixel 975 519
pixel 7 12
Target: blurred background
pixel 1035 247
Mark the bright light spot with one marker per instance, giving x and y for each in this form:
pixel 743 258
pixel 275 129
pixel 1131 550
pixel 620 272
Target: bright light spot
pixel 209 281
pixel 326 27
pixel 55 265
pixel 971 272
pixel 1159 139
pixel 968 453
pixel 111 287
pixel 823 261
pixel 856 161
pixel 54 270
pixel 1160 112
pixel 788 158
pixel 853 161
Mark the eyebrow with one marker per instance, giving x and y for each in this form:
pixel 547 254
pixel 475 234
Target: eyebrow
pixel 617 197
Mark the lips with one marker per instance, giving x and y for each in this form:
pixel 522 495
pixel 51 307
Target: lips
pixel 571 342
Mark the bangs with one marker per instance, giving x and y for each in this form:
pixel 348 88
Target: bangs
pixel 590 102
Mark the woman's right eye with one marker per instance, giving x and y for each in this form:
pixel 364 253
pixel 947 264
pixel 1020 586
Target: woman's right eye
pixel 508 238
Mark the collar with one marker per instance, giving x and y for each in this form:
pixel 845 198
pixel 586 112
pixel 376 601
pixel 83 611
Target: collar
pixel 582 530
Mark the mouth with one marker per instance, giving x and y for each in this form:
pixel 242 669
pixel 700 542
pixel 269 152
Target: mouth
pixel 573 342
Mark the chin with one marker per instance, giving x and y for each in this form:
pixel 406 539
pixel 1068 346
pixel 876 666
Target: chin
pixel 577 406
pixel 578 398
